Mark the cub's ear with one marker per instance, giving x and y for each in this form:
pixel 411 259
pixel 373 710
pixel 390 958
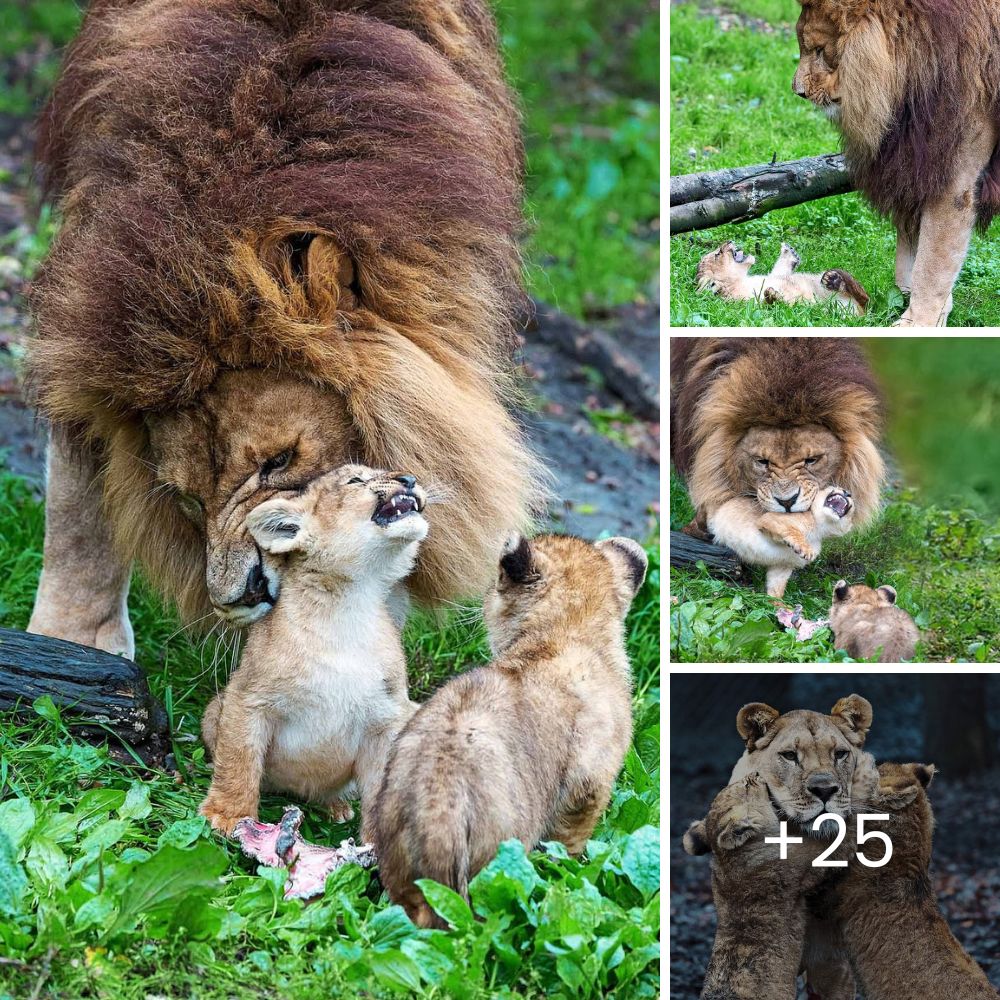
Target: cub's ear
pixel 840 589
pixel 888 593
pixel 753 722
pixel 736 833
pixel 695 841
pixel 517 562
pixel 855 713
pixel 923 773
pixel 276 526
pixel 630 560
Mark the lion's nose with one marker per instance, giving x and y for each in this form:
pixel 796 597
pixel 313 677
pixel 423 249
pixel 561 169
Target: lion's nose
pixel 789 501
pixel 408 481
pixel 256 590
pixel 823 787
pixel 797 87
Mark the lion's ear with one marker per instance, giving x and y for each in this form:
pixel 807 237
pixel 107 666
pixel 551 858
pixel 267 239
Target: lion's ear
pixel 330 276
pixel 695 841
pixel 855 713
pixel 753 721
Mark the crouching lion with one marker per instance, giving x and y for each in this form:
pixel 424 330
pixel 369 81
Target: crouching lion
pixel 288 241
pixel 762 424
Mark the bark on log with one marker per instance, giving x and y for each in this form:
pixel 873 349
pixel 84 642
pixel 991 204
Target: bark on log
pixel 94 691
pixel 686 551
pixel 700 201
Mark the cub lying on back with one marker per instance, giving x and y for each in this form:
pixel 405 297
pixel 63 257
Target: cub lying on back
pixel 320 691
pixel 726 273
pixel 529 746
pixel 781 542
pixel 865 621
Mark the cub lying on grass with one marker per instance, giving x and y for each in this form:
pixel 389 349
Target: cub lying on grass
pixel 781 542
pixel 529 746
pixel 726 273
pixel 320 691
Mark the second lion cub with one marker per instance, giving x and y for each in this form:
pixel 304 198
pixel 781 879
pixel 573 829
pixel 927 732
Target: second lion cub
pixel 320 691
pixel 528 747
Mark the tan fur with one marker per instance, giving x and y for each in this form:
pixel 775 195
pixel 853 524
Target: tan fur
pixel 320 691
pixel 913 90
pixel 781 542
pixel 866 621
pixel 899 943
pixel 529 746
pixel 725 272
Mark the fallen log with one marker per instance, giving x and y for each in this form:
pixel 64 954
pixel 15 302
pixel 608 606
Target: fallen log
pixel 686 550
pixel 96 693
pixel 700 201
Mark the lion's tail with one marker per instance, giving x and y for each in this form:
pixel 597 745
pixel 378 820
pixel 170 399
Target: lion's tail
pixel 989 191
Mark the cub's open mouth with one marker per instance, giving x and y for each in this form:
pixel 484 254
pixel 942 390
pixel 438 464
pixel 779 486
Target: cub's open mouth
pixel 396 508
pixel 738 255
pixel 838 503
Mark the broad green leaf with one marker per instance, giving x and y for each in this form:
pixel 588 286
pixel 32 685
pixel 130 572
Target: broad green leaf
pixel 46 708
pixel 17 817
pixel 447 903
pixel 46 864
pixel 95 912
pixel 136 804
pixel 641 859
pixel 13 881
pixel 396 969
pixel 389 926
pixel 182 832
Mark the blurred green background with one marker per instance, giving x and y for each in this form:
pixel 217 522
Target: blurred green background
pixel 588 76
pixel 943 404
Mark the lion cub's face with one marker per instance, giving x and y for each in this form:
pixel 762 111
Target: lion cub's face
pixel 818 75
pixel 354 523
pixel 561 579
pixel 807 759
pixel 721 270
pixel 786 467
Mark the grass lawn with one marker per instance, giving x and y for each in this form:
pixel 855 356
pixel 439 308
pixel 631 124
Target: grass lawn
pixel 111 885
pixel 732 105
pixel 937 541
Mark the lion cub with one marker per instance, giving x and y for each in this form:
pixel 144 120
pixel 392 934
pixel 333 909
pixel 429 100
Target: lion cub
pixel 782 542
pixel 320 691
pixel 866 620
pixel 529 746
pixel 726 272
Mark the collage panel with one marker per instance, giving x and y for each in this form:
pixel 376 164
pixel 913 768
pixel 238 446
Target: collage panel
pixel 834 499
pixel 831 836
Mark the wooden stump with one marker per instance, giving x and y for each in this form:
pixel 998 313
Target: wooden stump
pixel 686 551
pixel 96 693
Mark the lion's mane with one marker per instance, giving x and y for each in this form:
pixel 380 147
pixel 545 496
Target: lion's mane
pixel 723 386
pixel 195 150
pixel 912 73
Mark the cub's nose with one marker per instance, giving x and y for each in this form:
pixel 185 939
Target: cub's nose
pixel 256 590
pixel 408 481
pixel 823 787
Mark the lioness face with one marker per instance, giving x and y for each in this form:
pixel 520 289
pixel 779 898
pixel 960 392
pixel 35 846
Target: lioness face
pixel 786 467
pixel 252 436
pixel 720 269
pixel 817 77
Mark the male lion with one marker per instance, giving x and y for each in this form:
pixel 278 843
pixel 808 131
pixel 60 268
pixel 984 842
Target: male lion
pixel 912 85
pixel 288 242
pixel 763 424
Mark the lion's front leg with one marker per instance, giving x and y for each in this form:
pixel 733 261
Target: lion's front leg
pixel 83 590
pixel 906 253
pixel 945 230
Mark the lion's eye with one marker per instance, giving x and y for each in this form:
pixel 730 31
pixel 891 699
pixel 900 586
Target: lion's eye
pixel 277 463
pixel 354 479
pixel 789 755
pixel 841 754
pixel 762 461
pixel 191 507
pixel 813 459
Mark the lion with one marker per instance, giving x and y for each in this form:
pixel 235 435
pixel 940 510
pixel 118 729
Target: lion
pixel 912 88
pixel 288 241
pixel 777 419
pixel 899 943
pixel 726 272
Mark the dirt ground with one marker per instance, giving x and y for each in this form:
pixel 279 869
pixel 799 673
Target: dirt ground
pixel 604 459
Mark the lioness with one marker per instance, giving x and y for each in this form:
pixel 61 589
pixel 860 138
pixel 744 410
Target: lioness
pixel 726 272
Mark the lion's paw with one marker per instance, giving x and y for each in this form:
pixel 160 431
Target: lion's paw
pixel 341 811
pixel 222 816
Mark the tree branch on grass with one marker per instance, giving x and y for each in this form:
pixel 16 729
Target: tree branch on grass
pixel 685 550
pixel 700 201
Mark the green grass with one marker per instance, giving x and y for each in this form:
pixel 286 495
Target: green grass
pixel 732 105
pixel 944 564
pixel 112 886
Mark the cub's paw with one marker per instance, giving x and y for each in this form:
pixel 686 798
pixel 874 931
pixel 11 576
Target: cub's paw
pixel 341 811
pixel 833 280
pixel 792 253
pixel 222 816
pixel 802 549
